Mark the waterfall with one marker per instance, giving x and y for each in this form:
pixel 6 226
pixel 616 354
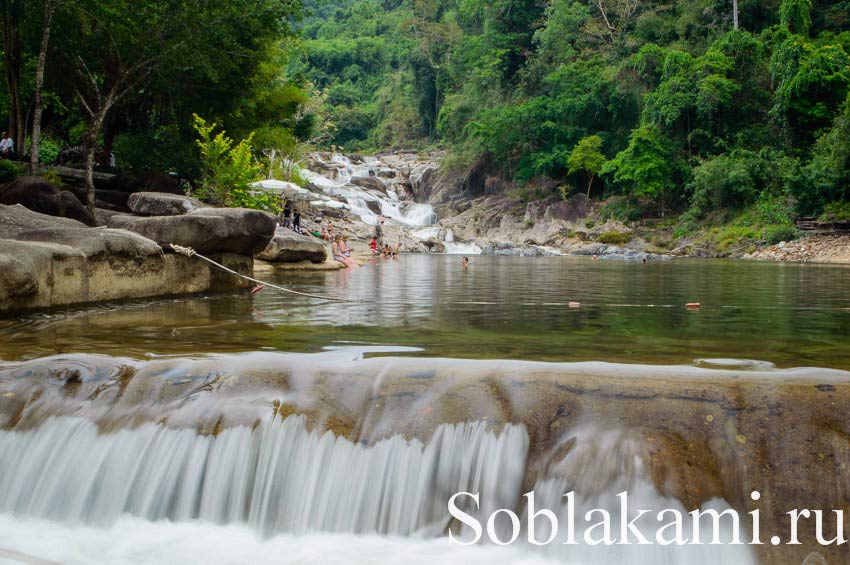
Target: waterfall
pixel 359 198
pixel 276 477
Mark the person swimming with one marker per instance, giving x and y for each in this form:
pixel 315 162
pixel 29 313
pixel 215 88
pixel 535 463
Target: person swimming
pixel 464 262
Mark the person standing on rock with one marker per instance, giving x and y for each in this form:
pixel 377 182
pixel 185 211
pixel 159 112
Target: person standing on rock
pixel 379 232
pixel 287 215
pixel 296 221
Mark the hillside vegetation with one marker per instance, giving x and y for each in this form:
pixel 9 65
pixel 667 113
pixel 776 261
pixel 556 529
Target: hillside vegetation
pixel 663 104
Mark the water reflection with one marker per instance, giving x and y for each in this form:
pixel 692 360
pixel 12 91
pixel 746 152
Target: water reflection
pixel 498 307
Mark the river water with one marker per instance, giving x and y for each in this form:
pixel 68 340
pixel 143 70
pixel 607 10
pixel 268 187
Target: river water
pixel 500 307
pixel 246 427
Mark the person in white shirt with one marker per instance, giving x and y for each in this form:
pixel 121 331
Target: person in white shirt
pixel 7 146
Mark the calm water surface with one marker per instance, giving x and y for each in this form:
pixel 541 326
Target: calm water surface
pixel 500 307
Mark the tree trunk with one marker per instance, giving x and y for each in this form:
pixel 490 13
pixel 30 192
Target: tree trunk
pixel 90 144
pixel 735 14
pixel 589 184
pixel 39 82
pixel 12 64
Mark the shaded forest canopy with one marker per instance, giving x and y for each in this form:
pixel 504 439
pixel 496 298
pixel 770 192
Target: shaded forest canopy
pixel 659 100
pixel 664 103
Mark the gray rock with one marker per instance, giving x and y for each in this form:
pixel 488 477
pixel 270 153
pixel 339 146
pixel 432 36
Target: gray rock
pixel 234 230
pixel 94 242
pixel 373 183
pixel 40 196
pixel 570 210
pixel 145 181
pixel 289 247
pixel 162 204
pixel 422 179
pixel 17 218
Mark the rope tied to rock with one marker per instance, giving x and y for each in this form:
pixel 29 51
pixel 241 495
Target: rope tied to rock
pixel 189 252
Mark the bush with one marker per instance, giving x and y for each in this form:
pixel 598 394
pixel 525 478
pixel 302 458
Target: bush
pixel 589 224
pixel 615 238
pixel 621 209
pixel 775 234
pixel 228 170
pixel 52 177
pixel 9 171
pixel 836 212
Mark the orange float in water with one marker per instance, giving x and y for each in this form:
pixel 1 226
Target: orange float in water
pixel 692 305
pixel 574 304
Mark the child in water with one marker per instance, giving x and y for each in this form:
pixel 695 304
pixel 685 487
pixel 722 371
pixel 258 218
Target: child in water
pixel 464 262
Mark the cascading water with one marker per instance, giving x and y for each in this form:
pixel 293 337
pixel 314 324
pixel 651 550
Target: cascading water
pixel 368 203
pixel 277 477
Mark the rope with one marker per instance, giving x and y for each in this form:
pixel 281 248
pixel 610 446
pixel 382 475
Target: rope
pixel 189 252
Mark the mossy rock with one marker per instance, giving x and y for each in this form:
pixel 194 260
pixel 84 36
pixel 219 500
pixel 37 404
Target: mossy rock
pixel 615 238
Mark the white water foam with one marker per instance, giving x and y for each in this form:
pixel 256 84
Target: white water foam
pixel 133 541
pixel 277 477
pixel 359 198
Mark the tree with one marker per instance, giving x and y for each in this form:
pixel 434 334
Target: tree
pixel 644 168
pixel 796 15
pixel 38 105
pixel 121 46
pixel 12 16
pixel 587 156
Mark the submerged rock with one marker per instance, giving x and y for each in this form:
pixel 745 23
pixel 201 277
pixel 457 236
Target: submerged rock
pixel 162 204
pixel 289 247
pixel 233 230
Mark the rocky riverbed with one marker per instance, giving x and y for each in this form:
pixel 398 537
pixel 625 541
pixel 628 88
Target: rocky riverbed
pixel 808 249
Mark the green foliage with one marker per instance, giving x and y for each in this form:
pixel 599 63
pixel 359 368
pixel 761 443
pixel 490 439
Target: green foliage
pixel 9 171
pixel 621 209
pixel 227 169
pixel 776 234
pixel 48 150
pixel 587 157
pixel 615 238
pixel 795 14
pixel 836 212
pixel 51 176
pixel 644 167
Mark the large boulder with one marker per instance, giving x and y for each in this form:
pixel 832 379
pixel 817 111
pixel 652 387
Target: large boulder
pixel 40 196
pixel 162 204
pixel 17 218
pixel 570 210
pixel 422 179
pixel 371 183
pixel 234 230
pixel 289 247
pixel 145 181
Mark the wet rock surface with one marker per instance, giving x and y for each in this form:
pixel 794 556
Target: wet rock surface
pixel 701 433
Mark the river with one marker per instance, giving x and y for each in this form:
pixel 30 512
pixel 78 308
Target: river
pixel 234 428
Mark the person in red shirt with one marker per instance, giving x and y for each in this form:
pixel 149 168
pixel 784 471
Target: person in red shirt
pixel 374 245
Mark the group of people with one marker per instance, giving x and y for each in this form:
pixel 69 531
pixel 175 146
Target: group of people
pixel 291 220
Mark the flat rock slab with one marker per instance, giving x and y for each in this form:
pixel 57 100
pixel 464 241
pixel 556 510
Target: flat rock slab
pixel 289 247
pixel 232 230
pixel 162 204
pixel 18 218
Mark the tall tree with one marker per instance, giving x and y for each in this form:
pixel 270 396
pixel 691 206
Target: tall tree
pixel 12 16
pixel 38 105
pixel 121 45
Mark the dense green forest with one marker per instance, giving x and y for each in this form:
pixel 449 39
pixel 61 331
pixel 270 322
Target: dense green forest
pixel 665 102
pixel 726 110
